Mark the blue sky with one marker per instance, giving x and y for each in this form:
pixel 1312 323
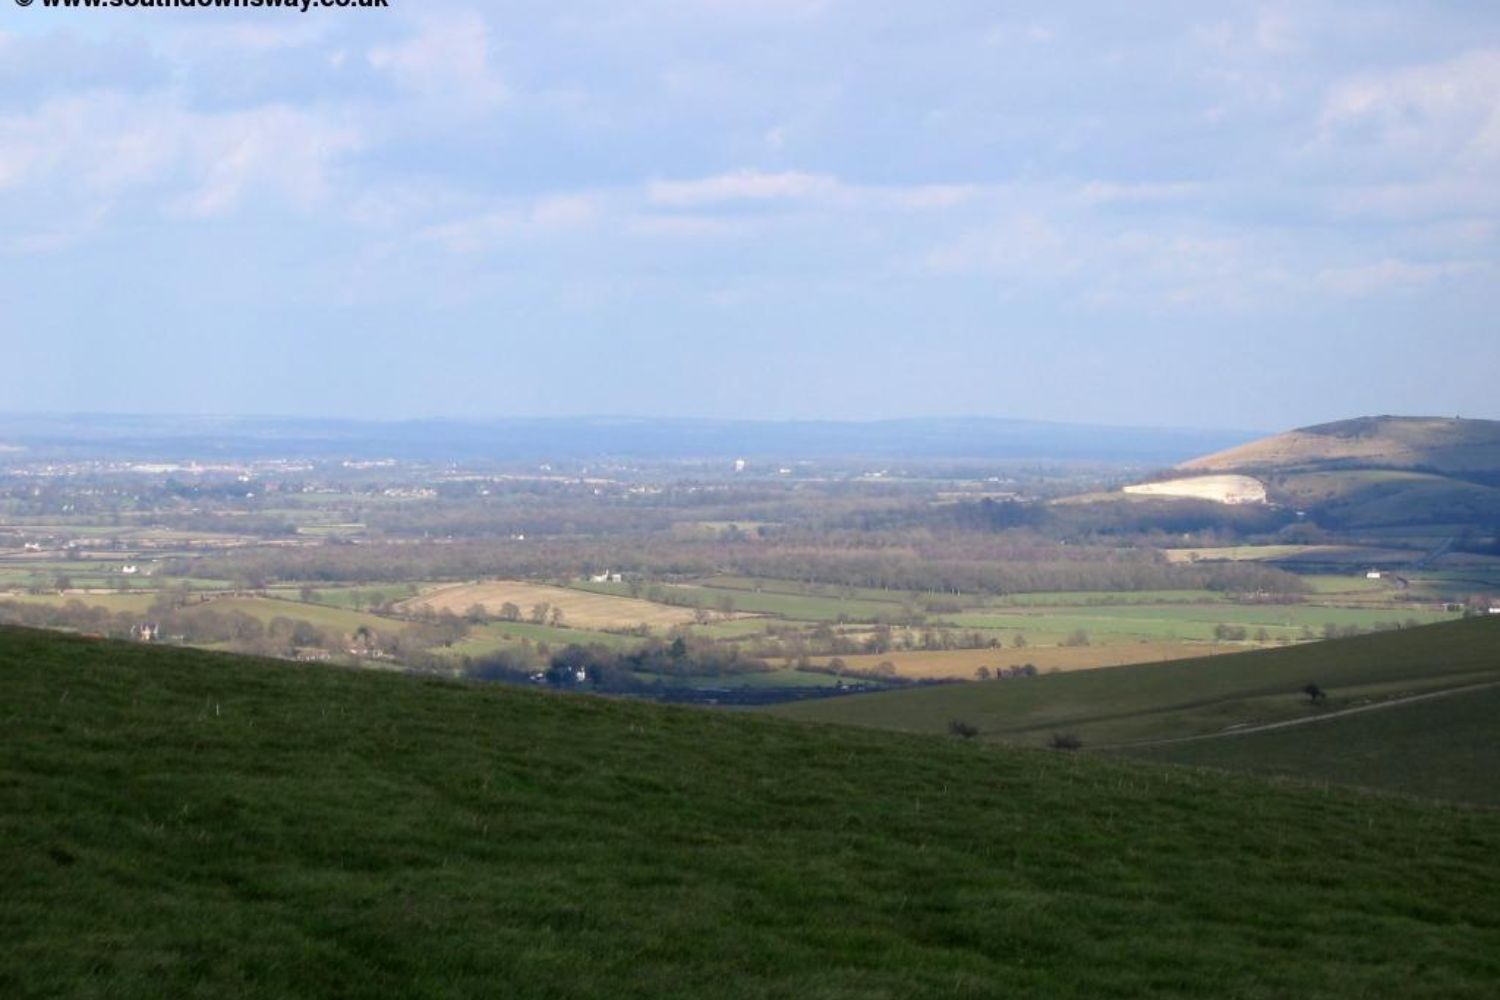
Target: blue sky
pixel 1250 215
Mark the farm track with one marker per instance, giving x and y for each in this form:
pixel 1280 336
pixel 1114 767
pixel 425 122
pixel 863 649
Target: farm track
pixel 1310 720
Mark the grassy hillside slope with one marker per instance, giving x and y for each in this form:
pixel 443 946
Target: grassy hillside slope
pixel 1460 448
pixel 1188 697
pixel 179 823
pixel 1377 472
pixel 1444 748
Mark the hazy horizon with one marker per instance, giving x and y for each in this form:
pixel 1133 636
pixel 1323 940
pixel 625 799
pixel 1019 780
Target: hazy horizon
pixel 1260 215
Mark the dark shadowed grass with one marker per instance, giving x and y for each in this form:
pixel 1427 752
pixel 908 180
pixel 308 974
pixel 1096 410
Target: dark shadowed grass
pixel 1447 748
pixel 1155 701
pixel 177 823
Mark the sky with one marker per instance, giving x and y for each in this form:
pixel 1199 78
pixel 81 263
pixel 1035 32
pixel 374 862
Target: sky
pixel 1242 214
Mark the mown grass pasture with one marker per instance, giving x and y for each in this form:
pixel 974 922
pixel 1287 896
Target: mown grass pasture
pixel 182 823
pixel 267 609
pixel 1190 622
pixel 580 609
pixel 792 606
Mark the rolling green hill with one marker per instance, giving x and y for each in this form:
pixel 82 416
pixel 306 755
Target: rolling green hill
pixel 180 823
pixel 1159 701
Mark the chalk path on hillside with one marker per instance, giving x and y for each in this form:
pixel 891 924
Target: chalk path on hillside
pixel 1310 720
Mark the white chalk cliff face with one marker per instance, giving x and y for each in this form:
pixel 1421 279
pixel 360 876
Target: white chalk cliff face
pixel 1222 489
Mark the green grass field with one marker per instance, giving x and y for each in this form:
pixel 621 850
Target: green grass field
pixel 267 609
pixel 1186 621
pixel 177 823
pixel 771 585
pixel 134 603
pixel 354 598
pixel 1051 617
pixel 795 607
pixel 485 639
pixel 1091 598
pixel 1186 697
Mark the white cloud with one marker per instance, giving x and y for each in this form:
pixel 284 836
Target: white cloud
pixel 253 37
pixel 1415 144
pixel 550 215
pixel 1005 34
pixel 274 148
pixel 93 150
pixel 742 185
pixel 448 61
pixel 819 190
pixel 1444 116
pixel 1049 242
pixel 690 227
pixel 1393 276
pixel 1108 192
pixel 1022 247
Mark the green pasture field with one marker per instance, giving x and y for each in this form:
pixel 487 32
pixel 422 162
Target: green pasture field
pixel 81 529
pixel 79 581
pixel 180 823
pixel 135 603
pixel 766 679
pixel 796 607
pixel 483 639
pixel 341 596
pixel 1458 584
pixel 1185 621
pixel 268 608
pixel 1086 598
pixel 739 628
pixel 47 564
pixel 773 586
pixel 1446 748
pixel 1186 697
pixel 133 584
pixel 1329 584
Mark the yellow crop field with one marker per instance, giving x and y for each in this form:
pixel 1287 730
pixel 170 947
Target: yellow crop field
pixel 580 609
pixel 961 664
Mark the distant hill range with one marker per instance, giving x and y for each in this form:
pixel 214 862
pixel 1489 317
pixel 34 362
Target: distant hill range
pixel 136 437
pixel 1370 472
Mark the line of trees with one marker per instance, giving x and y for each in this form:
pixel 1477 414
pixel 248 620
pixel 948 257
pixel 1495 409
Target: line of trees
pixel 934 567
